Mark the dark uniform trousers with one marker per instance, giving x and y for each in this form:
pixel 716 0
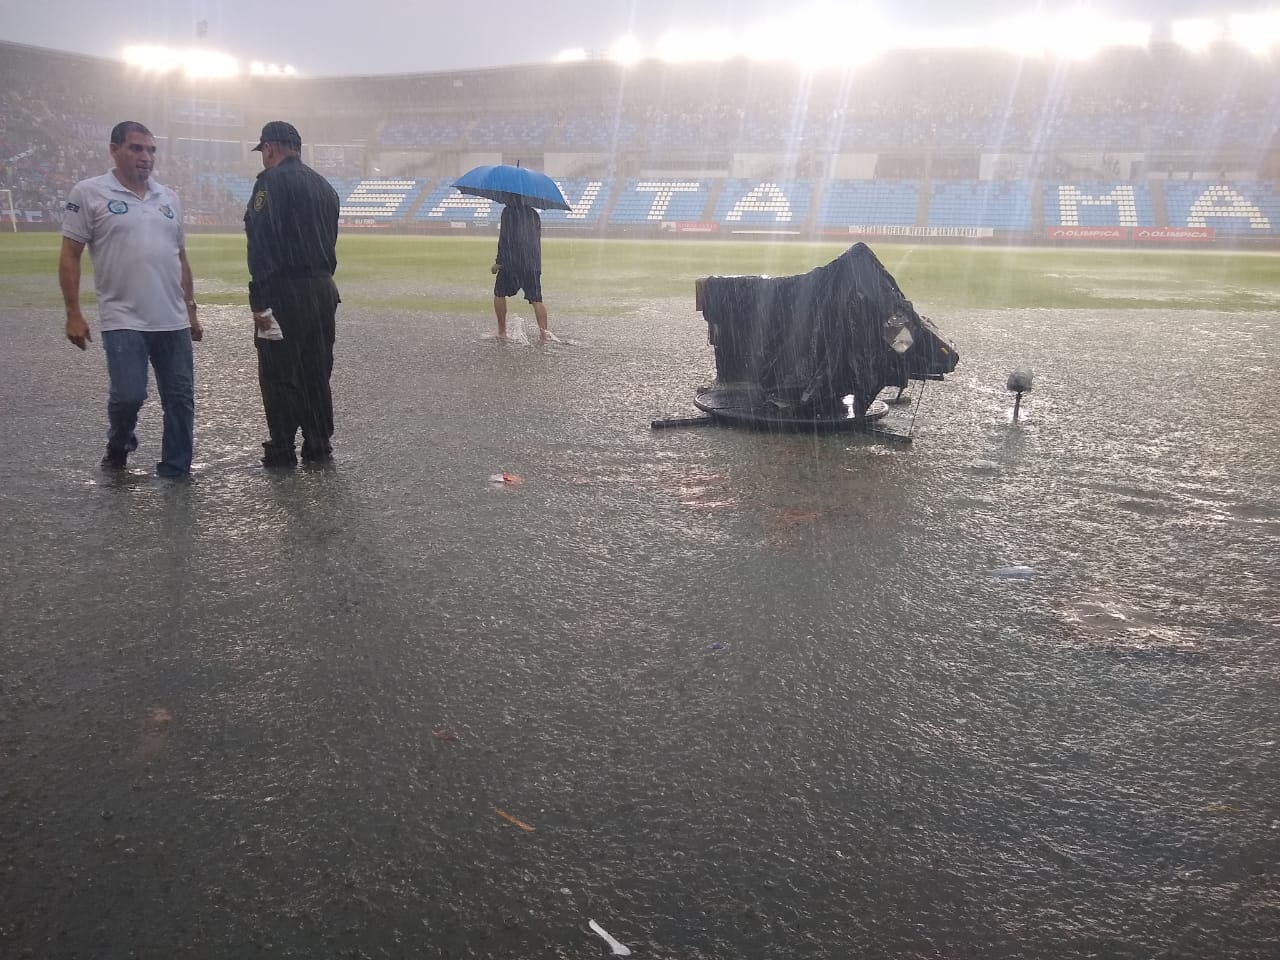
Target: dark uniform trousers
pixel 294 372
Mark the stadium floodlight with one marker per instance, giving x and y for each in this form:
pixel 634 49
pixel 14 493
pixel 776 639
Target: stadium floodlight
pixel 820 35
pixel 259 69
pixel 961 38
pixel 193 63
pixel 1077 35
pixel 687 46
pixel 1196 35
pixel 1258 33
pixel 627 51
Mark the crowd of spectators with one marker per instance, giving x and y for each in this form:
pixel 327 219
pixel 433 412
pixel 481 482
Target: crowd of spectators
pixel 50 138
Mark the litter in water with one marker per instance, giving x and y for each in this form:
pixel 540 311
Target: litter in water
pixel 619 949
pixel 507 479
pixel 510 819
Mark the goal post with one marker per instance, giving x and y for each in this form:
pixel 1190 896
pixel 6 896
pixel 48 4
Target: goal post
pixel 6 209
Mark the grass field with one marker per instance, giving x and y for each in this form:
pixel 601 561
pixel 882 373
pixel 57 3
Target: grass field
pixel 451 273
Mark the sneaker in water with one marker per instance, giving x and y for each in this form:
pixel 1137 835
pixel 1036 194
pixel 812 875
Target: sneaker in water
pixel 114 461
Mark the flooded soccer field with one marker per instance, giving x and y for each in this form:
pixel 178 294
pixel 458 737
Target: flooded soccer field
pixel 1009 691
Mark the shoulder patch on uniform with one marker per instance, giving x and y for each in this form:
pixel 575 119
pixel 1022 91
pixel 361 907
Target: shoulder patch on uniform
pixel 73 207
pixel 259 200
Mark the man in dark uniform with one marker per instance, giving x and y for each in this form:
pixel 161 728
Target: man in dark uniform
pixel 519 265
pixel 292 229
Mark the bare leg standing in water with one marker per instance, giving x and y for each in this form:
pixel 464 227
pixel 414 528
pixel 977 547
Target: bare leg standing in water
pixel 518 265
pixel 500 309
pixel 539 313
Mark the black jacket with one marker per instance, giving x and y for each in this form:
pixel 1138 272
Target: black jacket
pixel 292 227
pixel 520 239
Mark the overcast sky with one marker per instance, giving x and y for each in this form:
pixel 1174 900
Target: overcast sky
pixel 337 37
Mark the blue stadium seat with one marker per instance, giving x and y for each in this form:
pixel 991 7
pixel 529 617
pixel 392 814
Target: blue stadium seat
pixel 994 204
pixel 379 198
pixel 763 203
pixel 523 129
pixel 416 131
pixel 589 199
pixel 655 200
pixel 444 204
pixel 882 203
pixel 864 133
pixel 1095 131
pixel 1238 129
pixel 1239 209
pixel 1112 204
pixel 599 131
pixel 671 130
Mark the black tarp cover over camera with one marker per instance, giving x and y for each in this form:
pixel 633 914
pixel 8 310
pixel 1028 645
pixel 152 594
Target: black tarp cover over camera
pixel 807 341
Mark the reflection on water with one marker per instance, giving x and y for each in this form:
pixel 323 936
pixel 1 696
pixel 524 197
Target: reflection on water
pixel 755 695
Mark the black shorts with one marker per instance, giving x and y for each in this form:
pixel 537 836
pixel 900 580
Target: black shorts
pixel 509 283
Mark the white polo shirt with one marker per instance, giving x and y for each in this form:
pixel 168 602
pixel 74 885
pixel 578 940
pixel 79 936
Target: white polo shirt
pixel 134 246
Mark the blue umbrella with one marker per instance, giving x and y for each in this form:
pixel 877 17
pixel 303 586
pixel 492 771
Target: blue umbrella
pixel 507 184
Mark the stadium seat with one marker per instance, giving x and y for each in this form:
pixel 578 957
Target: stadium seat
pixel 1239 209
pixel 888 203
pixel 993 204
pixel 445 204
pixel 1113 204
pixel 763 203
pixel 656 200
pixel 379 199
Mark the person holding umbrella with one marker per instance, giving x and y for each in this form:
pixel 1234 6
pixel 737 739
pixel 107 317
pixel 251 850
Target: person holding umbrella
pixel 519 264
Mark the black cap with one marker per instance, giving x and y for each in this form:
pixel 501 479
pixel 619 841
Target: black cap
pixel 278 131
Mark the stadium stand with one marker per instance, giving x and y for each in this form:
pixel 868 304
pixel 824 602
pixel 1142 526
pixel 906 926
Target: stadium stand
pixel 655 201
pixel 1233 209
pixel 983 204
pixel 1098 205
pixel 1093 132
pixel 236 186
pixel 882 203
pixel 598 130
pixel 924 143
pixel 589 199
pixel 412 131
pixel 514 130
pixel 377 199
pixel 444 204
pixel 752 203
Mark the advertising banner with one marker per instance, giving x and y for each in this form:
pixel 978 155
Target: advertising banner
pixel 1132 234
pixel 689 226
pixel 1091 234
pixel 1178 234
pixel 882 230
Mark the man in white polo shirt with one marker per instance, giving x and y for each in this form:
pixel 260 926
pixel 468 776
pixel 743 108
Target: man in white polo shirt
pixel 132 226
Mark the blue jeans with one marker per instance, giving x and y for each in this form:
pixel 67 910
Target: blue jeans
pixel 169 352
